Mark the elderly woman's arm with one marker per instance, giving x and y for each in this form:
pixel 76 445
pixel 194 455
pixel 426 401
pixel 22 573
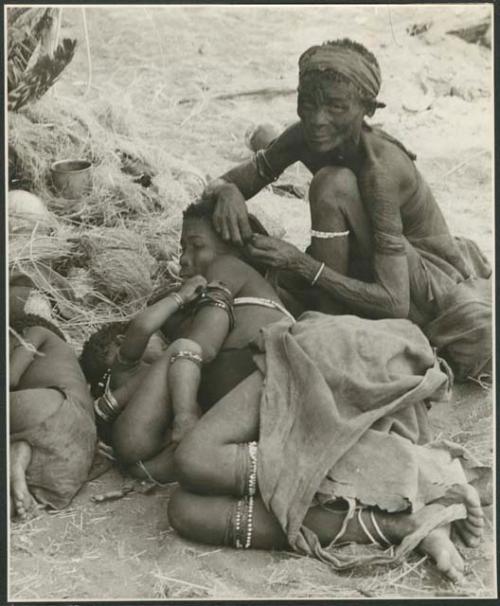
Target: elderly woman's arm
pixel 383 183
pixel 242 182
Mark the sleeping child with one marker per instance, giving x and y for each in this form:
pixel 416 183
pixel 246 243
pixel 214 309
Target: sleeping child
pixel 52 429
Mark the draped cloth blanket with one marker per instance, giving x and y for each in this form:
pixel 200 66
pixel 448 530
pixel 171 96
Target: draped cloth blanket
pixel 343 416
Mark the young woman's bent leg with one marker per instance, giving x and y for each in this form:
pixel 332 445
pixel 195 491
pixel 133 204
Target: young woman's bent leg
pixel 207 459
pixel 212 520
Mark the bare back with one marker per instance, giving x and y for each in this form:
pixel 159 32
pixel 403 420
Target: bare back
pixel 54 365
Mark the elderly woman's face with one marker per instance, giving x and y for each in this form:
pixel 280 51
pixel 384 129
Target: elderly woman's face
pixel 331 113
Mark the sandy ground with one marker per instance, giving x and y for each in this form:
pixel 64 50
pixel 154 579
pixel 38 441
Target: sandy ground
pixel 438 94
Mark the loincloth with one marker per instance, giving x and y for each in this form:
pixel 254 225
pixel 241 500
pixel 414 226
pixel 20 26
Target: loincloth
pixel 62 452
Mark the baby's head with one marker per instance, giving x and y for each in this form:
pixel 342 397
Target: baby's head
pixel 201 244
pixel 99 351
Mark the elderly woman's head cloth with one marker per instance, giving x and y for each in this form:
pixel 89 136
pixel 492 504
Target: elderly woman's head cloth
pixel 349 59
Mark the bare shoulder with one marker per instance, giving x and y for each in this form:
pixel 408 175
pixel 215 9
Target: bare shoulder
pixel 230 270
pixel 388 159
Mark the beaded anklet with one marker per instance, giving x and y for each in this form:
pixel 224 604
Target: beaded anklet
pixel 245 506
pixel 186 355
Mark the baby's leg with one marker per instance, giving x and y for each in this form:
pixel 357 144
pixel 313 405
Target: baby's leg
pixel 139 431
pixel 207 458
pixel 21 499
pixel 30 407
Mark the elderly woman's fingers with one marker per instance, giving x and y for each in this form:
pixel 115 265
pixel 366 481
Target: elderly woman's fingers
pixel 258 254
pixel 220 224
pixel 234 229
pixel 260 241
pixel 245 229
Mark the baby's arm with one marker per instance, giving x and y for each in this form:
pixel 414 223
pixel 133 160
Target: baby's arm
pixel 146 323
pixel 22 355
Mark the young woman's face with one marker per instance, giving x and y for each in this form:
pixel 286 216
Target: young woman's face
pixel 331 114
pixel 200 246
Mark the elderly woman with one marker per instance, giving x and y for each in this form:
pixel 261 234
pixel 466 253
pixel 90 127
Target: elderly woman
pixel 380 246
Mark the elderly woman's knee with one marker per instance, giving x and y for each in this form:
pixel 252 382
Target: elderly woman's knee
pixel 334 186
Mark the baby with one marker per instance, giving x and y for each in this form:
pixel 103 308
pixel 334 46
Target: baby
pixel 52 429
pixel 116 357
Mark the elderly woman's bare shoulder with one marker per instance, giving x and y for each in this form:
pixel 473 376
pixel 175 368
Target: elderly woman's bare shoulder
pixel 387 156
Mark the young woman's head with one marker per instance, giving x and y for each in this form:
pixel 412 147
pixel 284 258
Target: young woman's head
pixel 201 244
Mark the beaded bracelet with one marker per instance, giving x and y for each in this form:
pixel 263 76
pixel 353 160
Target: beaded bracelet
pixel 178 299
pixel 186 355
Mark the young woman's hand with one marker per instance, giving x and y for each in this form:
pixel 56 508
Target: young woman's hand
pixel 191 288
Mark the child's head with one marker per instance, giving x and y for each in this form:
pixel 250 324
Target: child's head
pixel 99 352
pixel 201 244
pixel 20 322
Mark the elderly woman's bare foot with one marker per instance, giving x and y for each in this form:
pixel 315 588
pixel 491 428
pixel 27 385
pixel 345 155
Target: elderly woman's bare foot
pixel 443 552
pixel 21 498
pixel 471 528
pixel 438 544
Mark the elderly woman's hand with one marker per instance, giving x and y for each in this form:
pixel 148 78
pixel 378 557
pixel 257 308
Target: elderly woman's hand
pixel 274 252
pixel 230 216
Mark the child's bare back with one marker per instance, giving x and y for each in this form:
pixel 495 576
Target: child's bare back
pixel 52 430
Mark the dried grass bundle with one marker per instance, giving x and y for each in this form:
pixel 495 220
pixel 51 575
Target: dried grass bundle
pixel 58 129
pixel 32 248
pixel 119 263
